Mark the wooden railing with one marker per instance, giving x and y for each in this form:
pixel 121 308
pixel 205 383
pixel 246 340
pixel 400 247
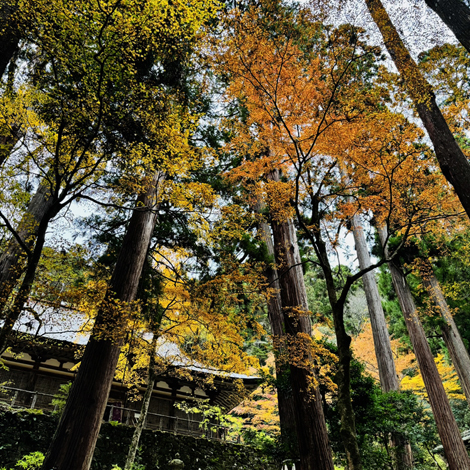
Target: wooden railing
pixel 189 425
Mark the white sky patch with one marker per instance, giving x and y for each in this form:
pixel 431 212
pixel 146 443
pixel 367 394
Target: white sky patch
pixel 419 27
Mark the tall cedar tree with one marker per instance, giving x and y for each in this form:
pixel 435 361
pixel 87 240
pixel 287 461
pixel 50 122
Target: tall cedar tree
pixel 276 319
pixel 453 163
pixel 456 15
pixel 74 441
pixel 450 333
pixel 454 448
pixel 382 345
pixel 312 436
pixel 458 353
pixel 9 33
pixel 9 40
pixel 383 348
pixel 293 99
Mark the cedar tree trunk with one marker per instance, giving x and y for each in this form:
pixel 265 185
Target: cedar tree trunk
pixel 383 349
pixel 11 315
pixel 9 137
pixel 9 34
pixel 315 452
pixel 456 15
pixel 454 448
pixel 276 320
pixel 453 162
pixel 74 441
pixel 457 350
pixel 41 207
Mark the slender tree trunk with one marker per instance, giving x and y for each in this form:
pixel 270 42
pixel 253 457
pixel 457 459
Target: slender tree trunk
pixel 457 350
pixel 453 163
pixel 454 448
pixel 155 321
pixel 343 375
pixel 276 320
pixel 12 263
pixel 343 380
pixel 9 136
pixel 9 33
pixel 24 291
pixel 382 346
pixel 315 452
pixel 145 407
pixel 456 15
pixel 74 441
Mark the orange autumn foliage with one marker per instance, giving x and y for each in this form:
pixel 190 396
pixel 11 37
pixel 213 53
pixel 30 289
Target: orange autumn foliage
pixel 405 362
pixel 310 113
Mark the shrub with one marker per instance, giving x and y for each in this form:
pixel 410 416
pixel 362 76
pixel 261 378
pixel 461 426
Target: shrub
pixel 32 461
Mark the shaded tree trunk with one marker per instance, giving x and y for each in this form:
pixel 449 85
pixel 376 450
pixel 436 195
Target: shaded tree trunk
pixel 453 163
pixel 276 320
pixel 454 448
pixel 12 261
pixel 12 314
pixel 456 15
pixel 453 341
pixel 315 452
pixel 9 34
pixel 74 441
pixel 9 136
pixel 343 375
pixel 382 346
pixel 152 376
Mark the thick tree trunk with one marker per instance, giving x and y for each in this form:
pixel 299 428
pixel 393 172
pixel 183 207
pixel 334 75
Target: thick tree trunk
pixel 453 163
pixel 382 346
pixel 144 408
pixel 454 448
pixel 456 15
pixel 315 452
pixel 276 320
pixel 74 442
pixel 12 263
pixel 9 33
pixel 457 350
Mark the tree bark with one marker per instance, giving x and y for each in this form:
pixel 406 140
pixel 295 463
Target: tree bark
pixel 11 315
pixel 9 34
pixel 457 350
pixel 9 136
pixel 11 260
pixel 343 375
pixel 144 408
pixel 383 348
pixel 315 452
pixel 456 15
pixel 74 441
pixel 454 448
pixel 453 163
pixel 276 320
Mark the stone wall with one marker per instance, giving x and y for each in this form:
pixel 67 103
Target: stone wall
pixel 24 432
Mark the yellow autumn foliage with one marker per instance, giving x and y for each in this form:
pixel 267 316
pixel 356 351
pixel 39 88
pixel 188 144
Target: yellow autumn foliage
pixel 363 346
